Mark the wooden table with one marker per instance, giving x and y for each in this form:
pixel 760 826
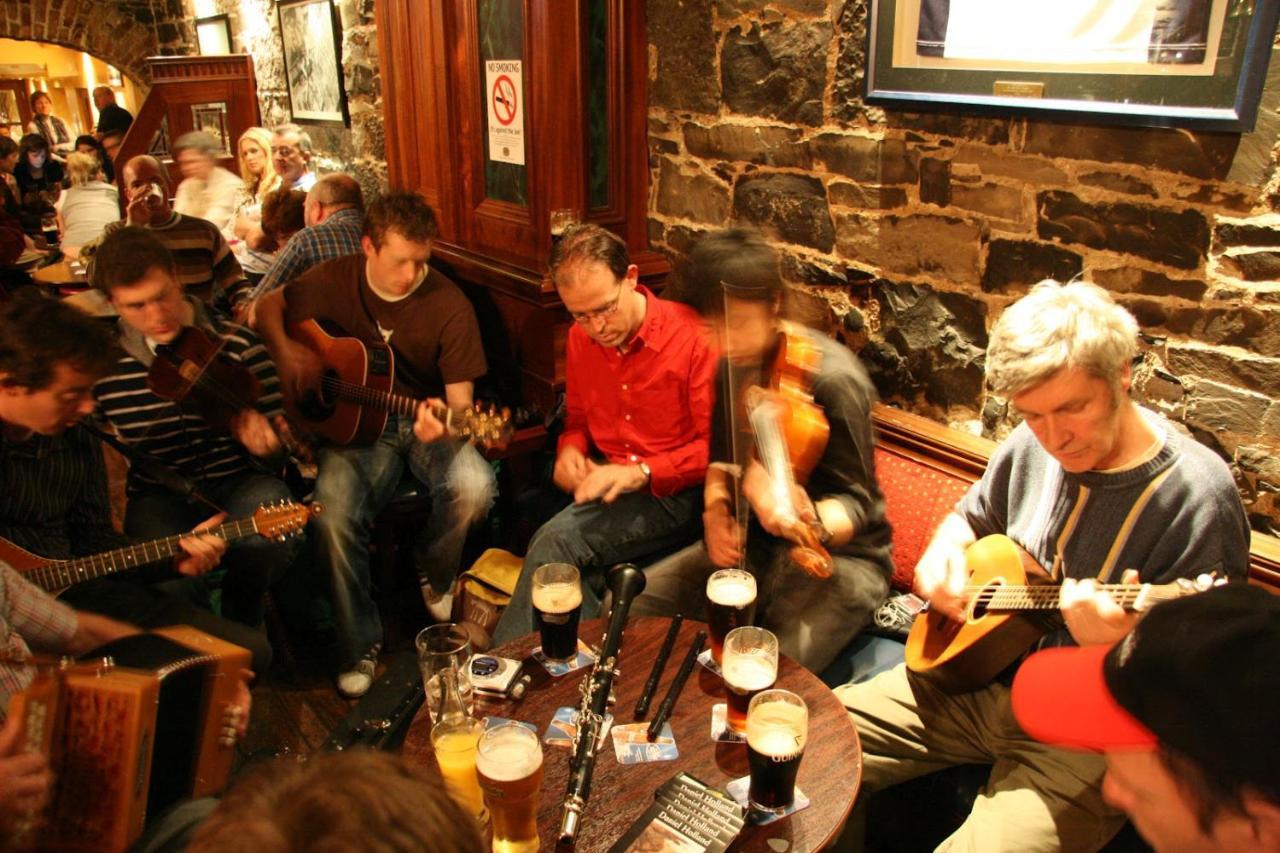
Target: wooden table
pixel 830 771
pixel 61 274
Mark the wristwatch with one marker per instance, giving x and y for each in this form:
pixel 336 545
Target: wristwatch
pixel 647 471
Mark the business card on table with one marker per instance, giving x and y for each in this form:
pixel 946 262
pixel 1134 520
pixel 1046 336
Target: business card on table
pixel 739 790
pixel 631 744
pixel 494 722
pixel 705 660
pixel 564 726
pixel 557 668
pixel 720 725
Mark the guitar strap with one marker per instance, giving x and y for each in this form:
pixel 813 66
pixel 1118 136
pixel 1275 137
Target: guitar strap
pixel 151 466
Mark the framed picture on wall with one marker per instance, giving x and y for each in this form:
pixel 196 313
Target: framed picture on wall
pixel 312 47
pixel 213 35
pixel 1162 63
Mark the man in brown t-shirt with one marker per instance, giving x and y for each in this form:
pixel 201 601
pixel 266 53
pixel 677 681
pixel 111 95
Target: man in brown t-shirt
pixel 390 294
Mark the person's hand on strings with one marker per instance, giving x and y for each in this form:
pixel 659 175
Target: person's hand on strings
pixel 201 551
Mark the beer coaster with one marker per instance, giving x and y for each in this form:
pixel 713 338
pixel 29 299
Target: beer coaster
pixel 705 660
pixel 564 725
pixel 720 725
pixel 631 744
pixel 557 668
pixel 738 789
pixel 494 722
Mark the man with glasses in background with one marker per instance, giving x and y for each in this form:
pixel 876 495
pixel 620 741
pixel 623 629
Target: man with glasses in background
pixel 633 454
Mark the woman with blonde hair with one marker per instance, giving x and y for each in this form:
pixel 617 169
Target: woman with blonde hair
pixel 244 229
pixel 89 206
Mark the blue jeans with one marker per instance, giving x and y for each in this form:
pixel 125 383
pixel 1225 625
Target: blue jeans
pixel 354 484
pixel 250 565
pixel 594 536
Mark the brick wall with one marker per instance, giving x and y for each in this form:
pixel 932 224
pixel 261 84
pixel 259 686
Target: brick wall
pixel 908 233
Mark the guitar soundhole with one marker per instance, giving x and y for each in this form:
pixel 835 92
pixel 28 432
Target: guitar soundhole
pixel 982 601
pixel 316 405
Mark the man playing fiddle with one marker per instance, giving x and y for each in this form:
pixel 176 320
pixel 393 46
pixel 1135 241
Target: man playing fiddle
pixel 1094 489
pixel 734 280
pixel 231 461
pixel 634 449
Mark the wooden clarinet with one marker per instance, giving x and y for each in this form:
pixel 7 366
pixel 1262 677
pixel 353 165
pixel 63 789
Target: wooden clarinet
pixel 625 583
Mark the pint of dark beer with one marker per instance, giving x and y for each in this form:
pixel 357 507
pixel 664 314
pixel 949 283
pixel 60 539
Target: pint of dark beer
pixel 777 728
pixel 731 603
pixel 557 606
pixel 750 666
pixel 509 766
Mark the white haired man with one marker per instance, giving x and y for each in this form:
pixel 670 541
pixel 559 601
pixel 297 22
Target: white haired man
pixel 1096 490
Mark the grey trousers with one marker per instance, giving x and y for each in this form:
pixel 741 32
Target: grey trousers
pixel 813 619
pixel 1038 799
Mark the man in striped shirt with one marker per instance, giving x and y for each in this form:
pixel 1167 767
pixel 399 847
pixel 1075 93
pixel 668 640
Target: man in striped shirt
pixel 233 469
pixel 203 262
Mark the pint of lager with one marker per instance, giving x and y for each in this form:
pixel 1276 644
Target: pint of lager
pixel 557 606
pixel 750 665
pixel 777 728
pixel 509 764
pixel 731 603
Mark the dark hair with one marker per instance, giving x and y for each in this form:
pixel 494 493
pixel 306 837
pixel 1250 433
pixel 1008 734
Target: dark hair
pixel 1208 794
pixel 87 139
pixel 126 256
pixel 405 212
pixel 586 242
pixel 37 333
pixel 33 142
pixel 7 146
pixel 737 260
pixel 37 95
pixel 282 212
pixel 354 800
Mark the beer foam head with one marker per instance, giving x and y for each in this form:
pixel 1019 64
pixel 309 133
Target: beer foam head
pixel 732 591
pixel 509 755
pixel 777 729
pixel 557 597
pixel 749 672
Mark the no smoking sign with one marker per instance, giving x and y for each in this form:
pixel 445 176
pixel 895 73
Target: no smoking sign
pixel 506 113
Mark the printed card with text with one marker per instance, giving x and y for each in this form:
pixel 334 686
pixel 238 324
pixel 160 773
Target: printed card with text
pixel 631 744
pixel 557 668
pixel 564 725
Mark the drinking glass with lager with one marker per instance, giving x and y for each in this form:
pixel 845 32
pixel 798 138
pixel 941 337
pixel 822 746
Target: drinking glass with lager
pixel 731 603
pixel 750 665
pixel 557 606
pixel 509 764
pixel 777 728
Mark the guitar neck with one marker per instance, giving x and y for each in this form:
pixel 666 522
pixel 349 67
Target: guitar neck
pixel 1046 596
pixel 60 574
pixel 386 400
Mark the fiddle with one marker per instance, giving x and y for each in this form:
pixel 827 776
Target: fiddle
pixel 791 433
pixel 191 369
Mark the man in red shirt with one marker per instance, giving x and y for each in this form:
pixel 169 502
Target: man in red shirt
pixel 638 379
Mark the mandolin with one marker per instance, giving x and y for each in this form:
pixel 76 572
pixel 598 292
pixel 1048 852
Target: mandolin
pixel 1010 603
pixel 274 521
pixel 354 398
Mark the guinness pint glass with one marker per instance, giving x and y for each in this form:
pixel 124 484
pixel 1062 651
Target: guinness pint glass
pixel 557 606
pixel 731 603
pixel 777 728
pixel 509 765
pixel 750 665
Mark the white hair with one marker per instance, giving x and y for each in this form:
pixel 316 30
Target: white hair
pixel 1056 326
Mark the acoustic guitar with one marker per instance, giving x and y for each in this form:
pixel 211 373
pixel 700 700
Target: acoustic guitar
pixel 274 521
pixel 1010 603
pixel 355 394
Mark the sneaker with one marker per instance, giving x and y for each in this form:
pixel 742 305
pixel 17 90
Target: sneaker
pixel 356 681
pixel 439 605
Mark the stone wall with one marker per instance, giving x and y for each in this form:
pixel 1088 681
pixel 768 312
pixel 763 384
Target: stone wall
pixel 358 150
pixel 908 233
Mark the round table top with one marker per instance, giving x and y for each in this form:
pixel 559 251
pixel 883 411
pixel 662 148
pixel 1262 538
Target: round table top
pixel 63 273
pixel 830 771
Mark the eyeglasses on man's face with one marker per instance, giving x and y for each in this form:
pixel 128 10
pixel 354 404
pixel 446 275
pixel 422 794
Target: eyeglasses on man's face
pixel 602 313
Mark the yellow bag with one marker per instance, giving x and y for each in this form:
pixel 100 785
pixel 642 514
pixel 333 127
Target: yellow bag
pixel 484 590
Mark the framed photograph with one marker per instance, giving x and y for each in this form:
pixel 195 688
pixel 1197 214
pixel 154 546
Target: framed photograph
pixel 213 35
pixel 312 42
pixel 1163 63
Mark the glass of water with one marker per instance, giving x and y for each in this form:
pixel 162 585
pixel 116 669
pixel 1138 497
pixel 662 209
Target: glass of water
pixel 441 647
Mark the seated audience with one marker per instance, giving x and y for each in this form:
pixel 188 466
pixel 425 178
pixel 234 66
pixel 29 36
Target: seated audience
pixel 283 215
pixel 89 206
pixel 112 118
pixel 735 282
pixel 9 192
pixel 205 265
pixel 1184 708
pixel 40 180
pixel 1095 490
pixel 88 144
pixel 334 214
pixel 228 460
pixel 376 802
pixel 633 455
pixel 47 125
pixel 389 293
pixel 291 157
pixel 207 191
pixel 55 484
pixel 259 178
